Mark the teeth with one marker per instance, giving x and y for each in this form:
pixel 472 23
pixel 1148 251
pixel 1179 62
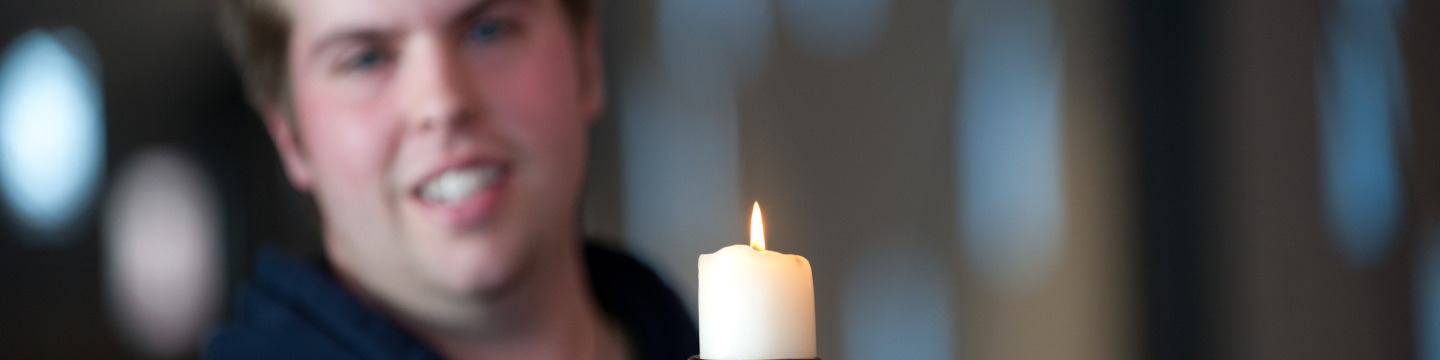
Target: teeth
pixel 455 185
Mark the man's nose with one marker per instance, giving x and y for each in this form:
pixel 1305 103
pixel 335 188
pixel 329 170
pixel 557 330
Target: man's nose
pixel 438 95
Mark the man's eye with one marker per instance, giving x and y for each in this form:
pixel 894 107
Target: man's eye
pixel 489 31
pixel 364 61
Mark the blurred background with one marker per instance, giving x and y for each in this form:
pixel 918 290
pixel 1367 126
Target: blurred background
pixel 970 179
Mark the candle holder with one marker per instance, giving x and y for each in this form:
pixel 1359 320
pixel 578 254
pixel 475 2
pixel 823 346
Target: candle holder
pixel 697 357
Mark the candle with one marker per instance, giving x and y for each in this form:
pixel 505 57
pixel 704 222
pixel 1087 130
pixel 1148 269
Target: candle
pixel 755 303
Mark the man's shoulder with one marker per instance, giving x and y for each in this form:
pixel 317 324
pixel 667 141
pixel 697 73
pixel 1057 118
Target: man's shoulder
pixel 652 314
pixel 294 310
pixel 265 328
pixel 291 309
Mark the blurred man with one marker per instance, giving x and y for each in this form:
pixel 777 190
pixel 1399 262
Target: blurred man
pixel 444 144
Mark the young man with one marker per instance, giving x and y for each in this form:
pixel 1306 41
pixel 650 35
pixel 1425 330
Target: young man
pixel 444 144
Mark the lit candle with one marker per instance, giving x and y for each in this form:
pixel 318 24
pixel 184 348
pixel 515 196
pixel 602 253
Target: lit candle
pixel 755 303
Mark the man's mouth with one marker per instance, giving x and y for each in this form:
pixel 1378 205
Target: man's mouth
pixel 454 186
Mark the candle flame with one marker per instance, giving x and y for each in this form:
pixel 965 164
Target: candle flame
pixel 757 229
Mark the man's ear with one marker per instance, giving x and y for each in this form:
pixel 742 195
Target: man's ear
pixel 592 77
pixel 282 130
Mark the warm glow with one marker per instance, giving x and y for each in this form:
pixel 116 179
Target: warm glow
pixel 757 229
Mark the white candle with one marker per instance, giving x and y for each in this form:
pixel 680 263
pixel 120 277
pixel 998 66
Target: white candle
pixel 754 303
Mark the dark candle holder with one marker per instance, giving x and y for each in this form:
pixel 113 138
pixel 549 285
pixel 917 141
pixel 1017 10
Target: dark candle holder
pixel 697 357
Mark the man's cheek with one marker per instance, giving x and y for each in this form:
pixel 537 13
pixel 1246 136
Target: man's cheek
pixel 349 158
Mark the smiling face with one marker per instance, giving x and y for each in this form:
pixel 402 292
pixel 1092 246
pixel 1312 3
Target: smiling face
pixel 443 140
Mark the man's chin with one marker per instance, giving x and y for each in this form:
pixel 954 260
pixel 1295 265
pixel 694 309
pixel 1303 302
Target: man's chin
pixel 477 267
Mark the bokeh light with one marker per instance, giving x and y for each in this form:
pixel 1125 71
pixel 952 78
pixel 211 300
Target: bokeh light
pixel 1008 138
pixel 1362 108
pixel 163 253
pixel 52 138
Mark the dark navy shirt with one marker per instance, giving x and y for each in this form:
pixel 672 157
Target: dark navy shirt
pixel 297 310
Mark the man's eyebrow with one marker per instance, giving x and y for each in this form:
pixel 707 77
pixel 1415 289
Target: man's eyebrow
pixel 474 10
pixel 359 34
